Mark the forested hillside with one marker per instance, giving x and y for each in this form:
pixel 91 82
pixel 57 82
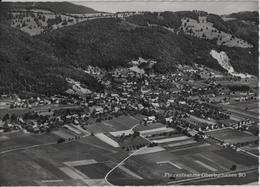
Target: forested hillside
pixel 43 63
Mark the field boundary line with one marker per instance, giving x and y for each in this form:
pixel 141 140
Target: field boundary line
pixel 26 147
pixel 29 147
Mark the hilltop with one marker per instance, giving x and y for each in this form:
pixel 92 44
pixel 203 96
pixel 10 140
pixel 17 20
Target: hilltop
pixel 57 7
pixel 38 17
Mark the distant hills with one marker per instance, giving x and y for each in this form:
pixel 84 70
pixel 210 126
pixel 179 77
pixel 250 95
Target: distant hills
pixel 42 63
pixel 38 17
pixel 57 7
pixel 245 16
pixel 111 42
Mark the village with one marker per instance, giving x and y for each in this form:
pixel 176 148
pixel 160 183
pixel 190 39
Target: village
pixel 194 106
pixel 195 92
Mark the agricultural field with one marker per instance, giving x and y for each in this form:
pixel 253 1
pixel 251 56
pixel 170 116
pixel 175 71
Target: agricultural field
pixel 19 139
pixel 116 124
pixel 244 110
pixel 99 171
pixel 197 159
pixel 45 163
pixel 87 160
pixel 238 157
pixel 63 133
pixel 249 105
pixel 232 136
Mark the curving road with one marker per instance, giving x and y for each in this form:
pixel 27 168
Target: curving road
pixel 120 163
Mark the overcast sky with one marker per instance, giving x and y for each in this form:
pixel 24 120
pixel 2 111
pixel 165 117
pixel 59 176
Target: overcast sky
pixel 212 6
pixel 217 7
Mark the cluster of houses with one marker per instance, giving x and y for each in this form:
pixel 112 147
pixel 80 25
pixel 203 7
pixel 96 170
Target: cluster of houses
pixel 176 99
pixel 29 103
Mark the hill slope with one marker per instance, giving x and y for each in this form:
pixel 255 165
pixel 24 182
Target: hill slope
pixel 30 65
pixel 195 23
pixel 244 25
pixel 113 42
pixel 44 63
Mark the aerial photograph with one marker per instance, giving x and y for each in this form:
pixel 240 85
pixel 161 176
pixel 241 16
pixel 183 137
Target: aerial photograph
pixel 129 93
